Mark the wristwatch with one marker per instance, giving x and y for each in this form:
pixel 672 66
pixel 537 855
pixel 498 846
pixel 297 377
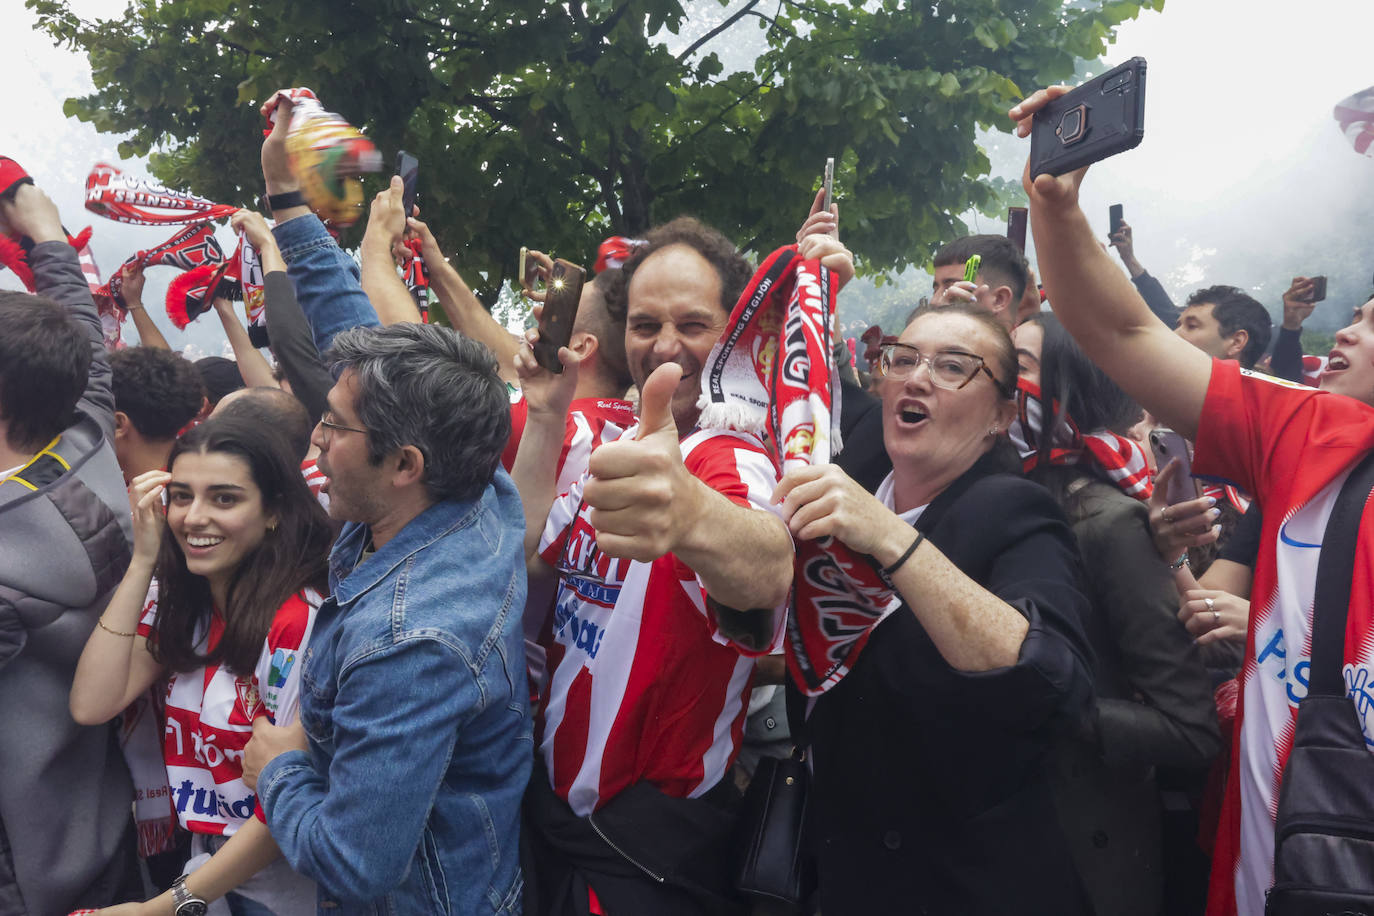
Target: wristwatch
pixel 185 903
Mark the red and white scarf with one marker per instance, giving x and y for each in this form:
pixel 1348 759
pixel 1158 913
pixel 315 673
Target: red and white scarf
pixel 774 369
pixel 416 277
pixel 238 277
pixel 615 251
pixel 188 249
pixel 1355 114
pixel 125 199
pixel 1121 460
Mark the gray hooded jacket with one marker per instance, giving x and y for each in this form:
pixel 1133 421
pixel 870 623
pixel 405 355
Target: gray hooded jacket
pixel 65 535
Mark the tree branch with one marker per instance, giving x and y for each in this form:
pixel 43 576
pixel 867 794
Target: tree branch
pixel 691 49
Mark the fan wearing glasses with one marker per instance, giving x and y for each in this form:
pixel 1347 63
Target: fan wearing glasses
pixel 927 754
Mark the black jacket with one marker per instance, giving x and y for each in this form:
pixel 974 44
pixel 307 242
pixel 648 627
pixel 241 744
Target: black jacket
pixel 929 795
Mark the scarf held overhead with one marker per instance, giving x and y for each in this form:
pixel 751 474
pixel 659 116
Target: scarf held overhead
pixel 774 369
pixel 125 199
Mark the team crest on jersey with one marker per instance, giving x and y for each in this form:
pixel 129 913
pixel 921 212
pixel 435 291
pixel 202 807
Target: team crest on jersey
pixel 249 702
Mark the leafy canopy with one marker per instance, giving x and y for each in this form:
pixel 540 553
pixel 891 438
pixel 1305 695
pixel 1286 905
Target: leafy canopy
pixel 556 124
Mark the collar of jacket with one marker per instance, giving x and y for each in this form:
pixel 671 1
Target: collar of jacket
pixel 350 581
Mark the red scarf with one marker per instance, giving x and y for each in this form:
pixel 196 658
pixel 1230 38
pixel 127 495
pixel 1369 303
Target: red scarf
pixel 774 369
pixel 112 194
pixel 238 277
pixel 1121 460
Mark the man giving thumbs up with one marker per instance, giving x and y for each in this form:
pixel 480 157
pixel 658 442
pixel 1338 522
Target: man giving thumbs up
pixel 671 526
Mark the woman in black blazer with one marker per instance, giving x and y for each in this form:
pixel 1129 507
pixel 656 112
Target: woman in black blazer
pixel 929 794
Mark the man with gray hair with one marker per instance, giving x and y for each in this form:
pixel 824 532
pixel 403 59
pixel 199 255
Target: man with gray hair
pixel 400 788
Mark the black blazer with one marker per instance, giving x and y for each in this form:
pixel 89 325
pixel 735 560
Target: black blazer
pixel 929 795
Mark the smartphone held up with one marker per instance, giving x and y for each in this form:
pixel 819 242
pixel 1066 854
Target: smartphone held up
pixel 1101 118
pixel 563 281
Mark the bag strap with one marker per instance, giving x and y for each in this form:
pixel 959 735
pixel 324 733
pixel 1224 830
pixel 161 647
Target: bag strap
pixel 1335 569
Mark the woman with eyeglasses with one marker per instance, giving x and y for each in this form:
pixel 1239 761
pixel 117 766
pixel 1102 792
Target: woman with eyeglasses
pixel 240 559
pixel 929 794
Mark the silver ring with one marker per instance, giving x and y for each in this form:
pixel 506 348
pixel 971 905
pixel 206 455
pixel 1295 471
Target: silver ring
pixel 1216 619
pixel 1210 602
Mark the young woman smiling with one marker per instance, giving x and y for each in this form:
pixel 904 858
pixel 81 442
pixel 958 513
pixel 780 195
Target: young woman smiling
pixel 240 561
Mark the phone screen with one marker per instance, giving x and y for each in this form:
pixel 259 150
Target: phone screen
pixel 829 183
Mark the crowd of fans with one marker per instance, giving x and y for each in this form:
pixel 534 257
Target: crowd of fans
pixel 404 622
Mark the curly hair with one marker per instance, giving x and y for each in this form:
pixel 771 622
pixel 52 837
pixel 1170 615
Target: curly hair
pixel 160 391
pixel 730 266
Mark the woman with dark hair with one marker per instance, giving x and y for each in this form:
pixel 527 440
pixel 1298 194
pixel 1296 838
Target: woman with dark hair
pixel 1153 704
pixel 240 561
pixel 929 794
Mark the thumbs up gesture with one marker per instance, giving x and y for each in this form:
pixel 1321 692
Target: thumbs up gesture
pixel 642 496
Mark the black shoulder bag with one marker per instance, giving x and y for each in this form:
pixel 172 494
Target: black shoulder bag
pixel 1324 832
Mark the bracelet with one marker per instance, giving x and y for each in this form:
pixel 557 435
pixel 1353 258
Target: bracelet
pixel 1181 562
pixel 101 621
pixel 285 201
pixel 889 570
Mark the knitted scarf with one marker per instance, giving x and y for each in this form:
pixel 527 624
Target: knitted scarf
pixel 773 370
pixel 238 277
pixel 125 199
pixel 1119 459
pixel 416 277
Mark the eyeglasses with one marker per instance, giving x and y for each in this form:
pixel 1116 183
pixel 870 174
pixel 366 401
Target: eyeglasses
pixel 327 421
pixel 951 369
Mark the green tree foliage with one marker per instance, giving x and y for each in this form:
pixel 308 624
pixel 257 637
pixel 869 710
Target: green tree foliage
pixel 557 124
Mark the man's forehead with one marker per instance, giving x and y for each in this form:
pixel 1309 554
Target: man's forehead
pixel 343 397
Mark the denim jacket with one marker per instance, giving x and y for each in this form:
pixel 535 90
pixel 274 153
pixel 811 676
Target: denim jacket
pixel 415 703
pixel 414 695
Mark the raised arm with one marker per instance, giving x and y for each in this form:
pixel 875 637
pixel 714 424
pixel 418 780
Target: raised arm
pixel 384 288
pixel 286 325
pixel 325 278
pixel 116 666
pixel 1099 306
pixel 57 275
pixel 148 333
pixel 464 310
pixel 253 366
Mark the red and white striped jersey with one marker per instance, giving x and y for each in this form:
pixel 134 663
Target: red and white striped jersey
pixel 591 421
pixel 1293 447
pixel 315 479
pixel 210 715
pixel 642 685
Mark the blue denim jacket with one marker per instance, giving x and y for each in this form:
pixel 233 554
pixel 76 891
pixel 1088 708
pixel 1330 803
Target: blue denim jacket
pixel 414 699
pixel 414 694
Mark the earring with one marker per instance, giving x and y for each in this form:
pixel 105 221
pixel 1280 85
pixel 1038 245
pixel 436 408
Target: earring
pixel 994 431
pixel 272 528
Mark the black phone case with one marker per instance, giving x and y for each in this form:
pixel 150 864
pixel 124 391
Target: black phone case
pixel 560 311
pixel 1112 112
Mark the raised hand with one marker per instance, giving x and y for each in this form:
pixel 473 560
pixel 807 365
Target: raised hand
pixel 1123 241
pixel 545 391
pixel 825 246
pixel 253 227
pixel 30 211
pixel 641 495
pixel 819 221
pixel 132 291
pixel 276 169
pixel 1296 306
pixel 150 519
pixel 1051 191
pixel 1191 523
pixel 386 224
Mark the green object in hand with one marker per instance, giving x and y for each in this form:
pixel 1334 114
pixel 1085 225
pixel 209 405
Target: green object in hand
pixel 971 267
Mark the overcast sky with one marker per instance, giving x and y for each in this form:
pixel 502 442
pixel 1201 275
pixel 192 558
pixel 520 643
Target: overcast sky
pixel 1241 153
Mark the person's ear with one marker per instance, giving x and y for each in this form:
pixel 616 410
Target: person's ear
pixel 584 344
pixel 1236 343
pixel 122 424
pixel 408 466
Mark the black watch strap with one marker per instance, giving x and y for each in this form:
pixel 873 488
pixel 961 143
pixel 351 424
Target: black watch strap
pixel 285 201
